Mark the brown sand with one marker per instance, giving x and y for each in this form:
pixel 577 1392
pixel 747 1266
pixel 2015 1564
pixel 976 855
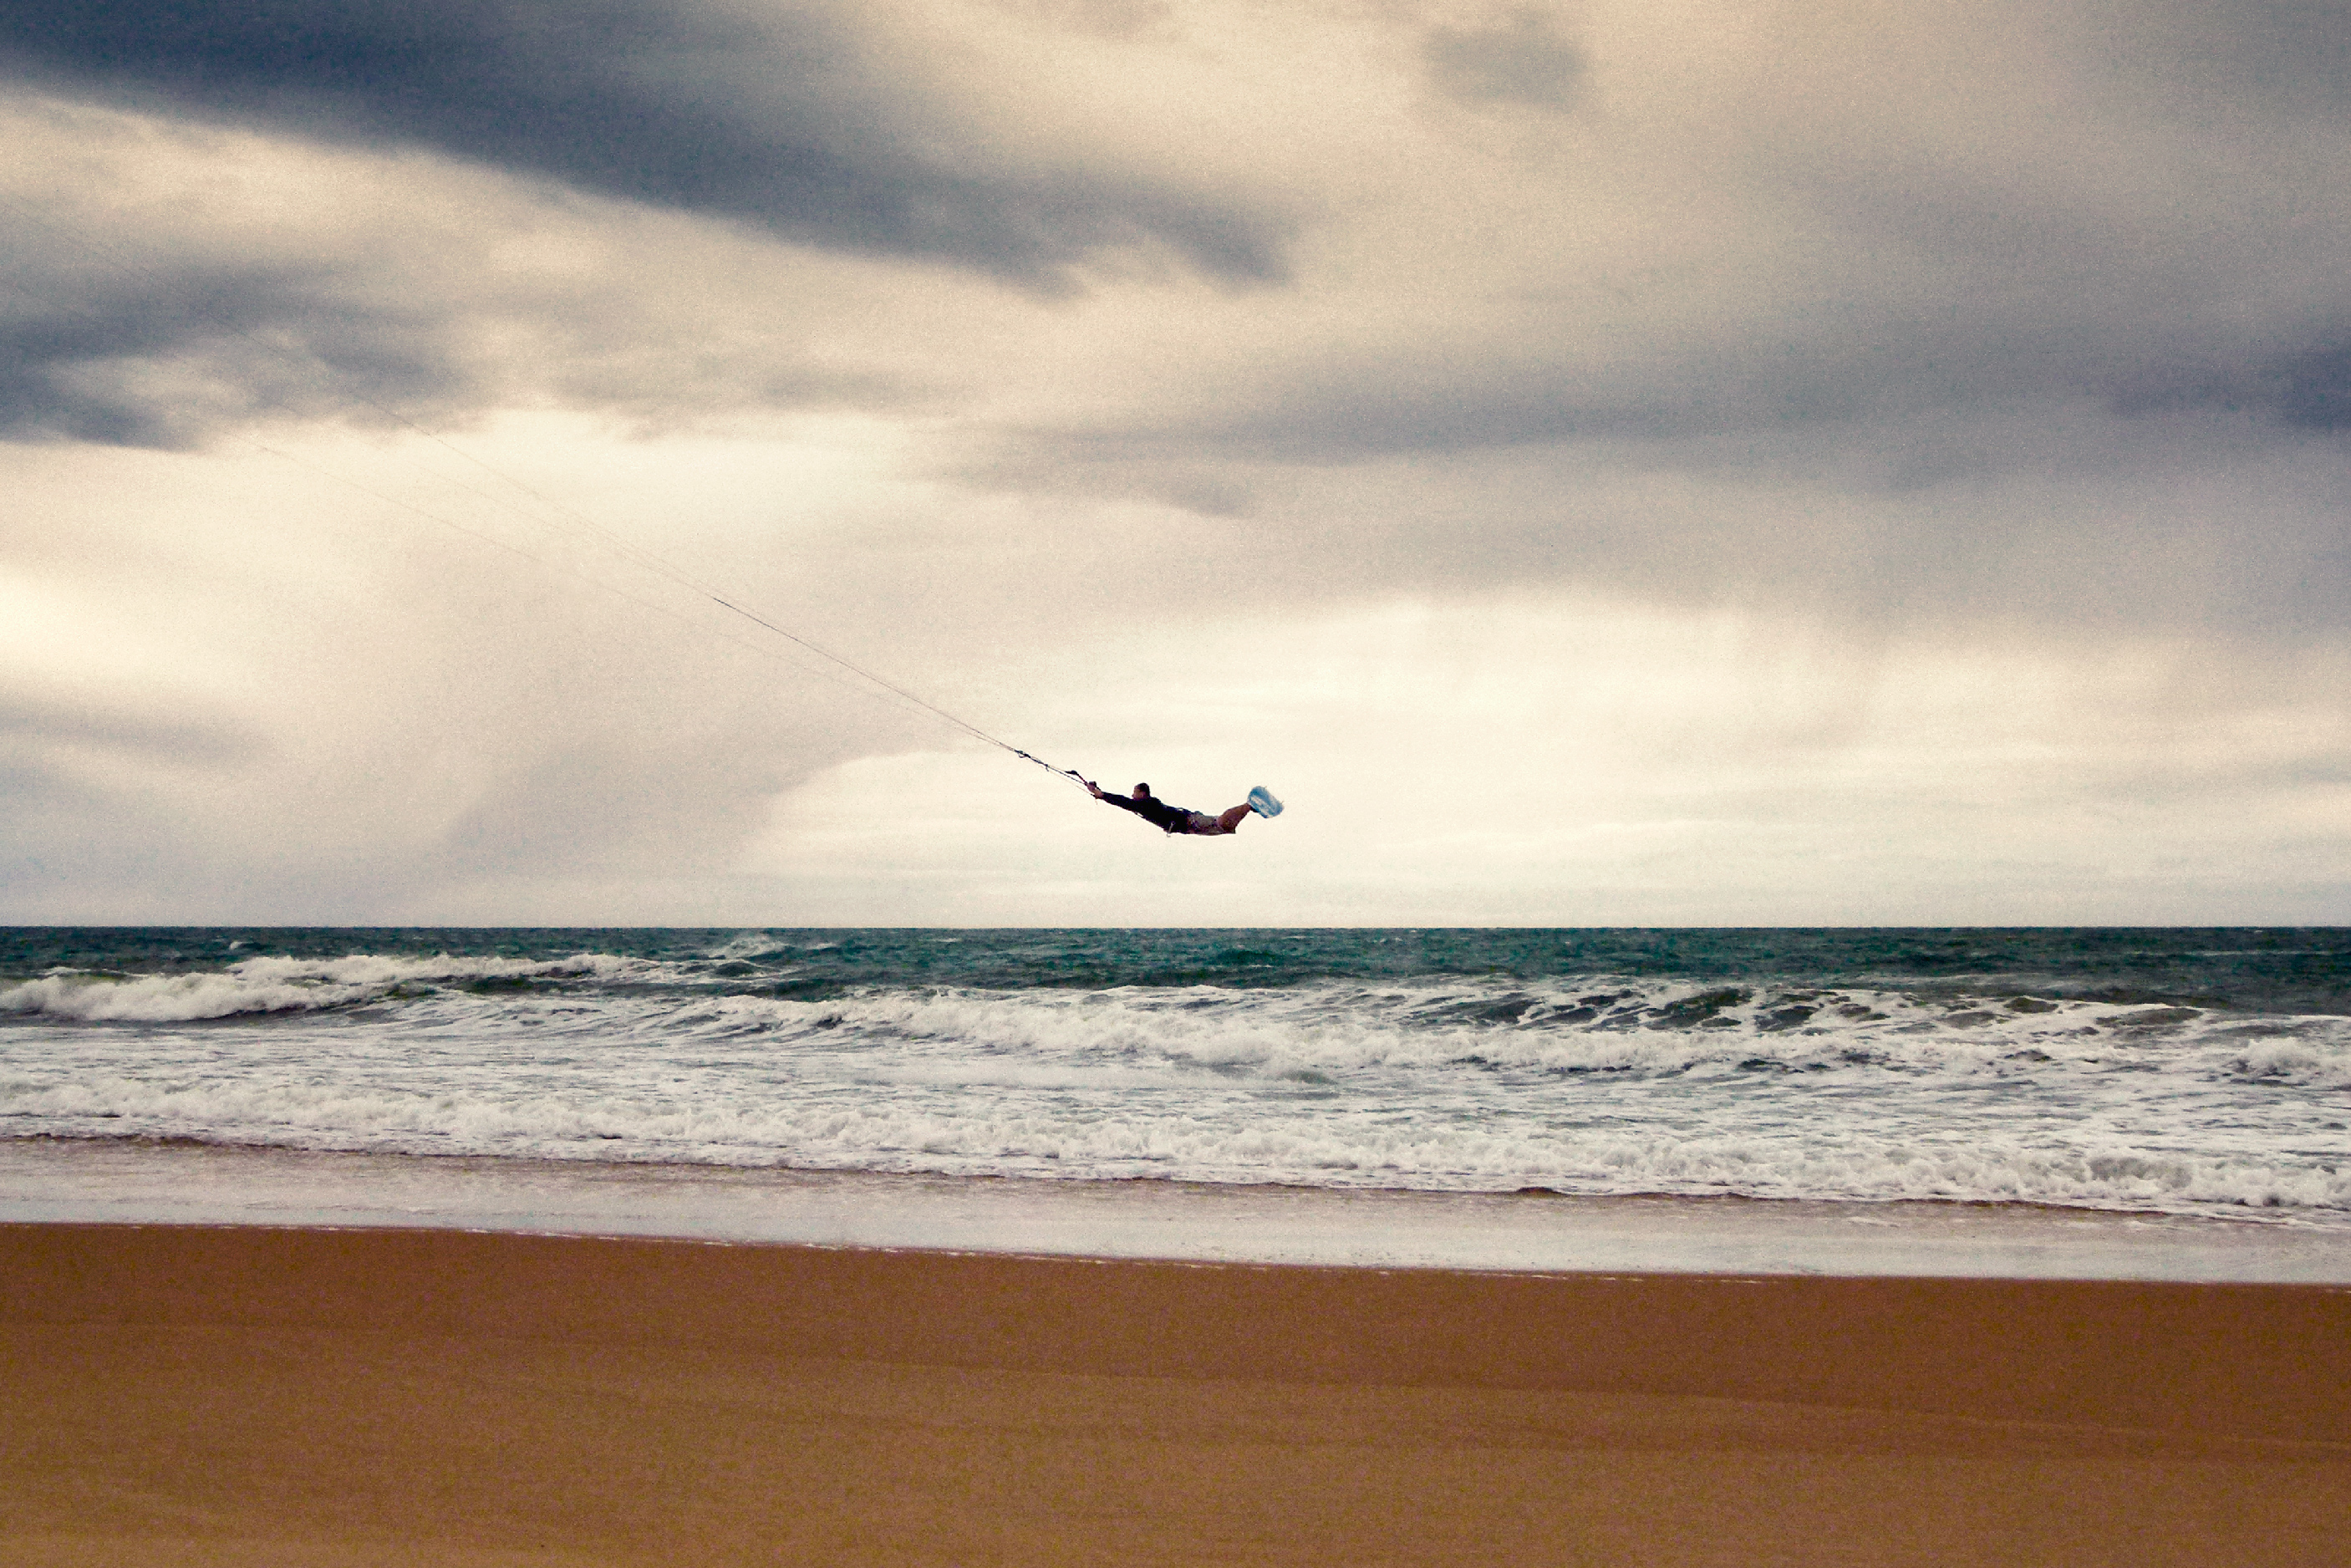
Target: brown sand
pixel 340 1398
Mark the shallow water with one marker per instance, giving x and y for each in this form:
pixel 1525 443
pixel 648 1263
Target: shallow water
pixel 128 1182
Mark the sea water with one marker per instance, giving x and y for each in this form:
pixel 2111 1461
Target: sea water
pixel 2186 1073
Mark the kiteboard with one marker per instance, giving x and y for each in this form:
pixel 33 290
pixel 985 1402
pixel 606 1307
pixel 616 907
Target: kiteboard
pixel 1262 802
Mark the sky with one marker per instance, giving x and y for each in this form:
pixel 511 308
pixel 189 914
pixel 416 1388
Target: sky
pixel 1675 463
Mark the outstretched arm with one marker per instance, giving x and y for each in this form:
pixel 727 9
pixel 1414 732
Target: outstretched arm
pixel 1121 801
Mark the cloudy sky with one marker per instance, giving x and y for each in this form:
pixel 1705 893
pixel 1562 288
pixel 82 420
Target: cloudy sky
pixel 1839 462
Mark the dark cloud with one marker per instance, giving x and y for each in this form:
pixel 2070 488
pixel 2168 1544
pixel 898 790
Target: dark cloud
pixel 2307 389
pixel 160 324
pixel 2052 514
pixel 158 358
pixel 2314 390
pixel 799 121
pixel 2227 62
pixel 1781 389
pixel 1524 60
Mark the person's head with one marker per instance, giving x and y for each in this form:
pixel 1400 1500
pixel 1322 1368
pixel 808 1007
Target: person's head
pixel 1142 791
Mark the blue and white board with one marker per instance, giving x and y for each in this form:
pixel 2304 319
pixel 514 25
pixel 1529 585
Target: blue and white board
pixel 1262 802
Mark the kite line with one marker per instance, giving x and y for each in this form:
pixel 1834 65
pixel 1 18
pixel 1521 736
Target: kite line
pixel 321 375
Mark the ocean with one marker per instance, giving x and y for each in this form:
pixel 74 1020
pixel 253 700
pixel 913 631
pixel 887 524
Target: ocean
pixel 2203 1073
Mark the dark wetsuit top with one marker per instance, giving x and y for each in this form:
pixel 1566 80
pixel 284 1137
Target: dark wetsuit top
pixel 1167 819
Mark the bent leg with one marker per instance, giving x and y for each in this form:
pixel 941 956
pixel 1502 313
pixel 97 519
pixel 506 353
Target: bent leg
pixel 1232 819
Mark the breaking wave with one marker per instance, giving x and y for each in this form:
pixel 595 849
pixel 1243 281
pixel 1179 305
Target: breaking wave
pixel 271 986
pixel 732 1054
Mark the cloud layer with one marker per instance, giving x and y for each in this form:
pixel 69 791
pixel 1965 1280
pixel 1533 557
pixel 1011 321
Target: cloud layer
pixel 810 121
pixel 1099 370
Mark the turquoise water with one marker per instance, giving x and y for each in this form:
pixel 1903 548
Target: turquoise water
pixel 2284 971
pixel 2190 1070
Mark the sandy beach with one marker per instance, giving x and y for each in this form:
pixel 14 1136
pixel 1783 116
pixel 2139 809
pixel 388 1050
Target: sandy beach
pixel 192 1395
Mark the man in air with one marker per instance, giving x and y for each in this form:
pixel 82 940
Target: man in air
pixel 1170 819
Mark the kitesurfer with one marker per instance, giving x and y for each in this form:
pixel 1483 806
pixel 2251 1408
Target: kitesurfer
pixel 1170 819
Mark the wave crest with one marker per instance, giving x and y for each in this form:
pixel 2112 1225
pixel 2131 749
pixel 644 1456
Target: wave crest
pixel 271 986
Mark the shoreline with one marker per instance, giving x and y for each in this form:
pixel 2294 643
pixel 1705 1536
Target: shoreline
pixel 94 1181
pixel 245 1393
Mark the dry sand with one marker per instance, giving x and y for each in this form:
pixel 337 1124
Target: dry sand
pixel 196 1395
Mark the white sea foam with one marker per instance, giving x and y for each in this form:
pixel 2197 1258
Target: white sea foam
pixel 1286 1034
pixel 169 998
pixel 1343 1149
pixel 2286 1059
pixel 1593 1084
pixel 269 985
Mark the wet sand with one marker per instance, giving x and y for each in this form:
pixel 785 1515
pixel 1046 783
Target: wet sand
pixel 249 1395
pixel 129 1181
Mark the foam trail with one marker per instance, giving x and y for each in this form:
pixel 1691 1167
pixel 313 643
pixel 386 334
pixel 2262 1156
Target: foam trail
pixel 809 1051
